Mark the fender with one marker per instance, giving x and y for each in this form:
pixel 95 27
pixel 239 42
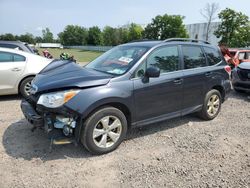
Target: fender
pixel 87 100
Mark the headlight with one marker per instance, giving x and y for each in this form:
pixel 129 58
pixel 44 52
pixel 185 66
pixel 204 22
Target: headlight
pixel 56 99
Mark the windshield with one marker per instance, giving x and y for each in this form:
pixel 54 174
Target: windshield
pixel 118 60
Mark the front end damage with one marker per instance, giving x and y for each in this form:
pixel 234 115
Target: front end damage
pixel 61 124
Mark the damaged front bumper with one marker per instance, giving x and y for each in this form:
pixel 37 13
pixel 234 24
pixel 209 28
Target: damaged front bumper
pixel 61 125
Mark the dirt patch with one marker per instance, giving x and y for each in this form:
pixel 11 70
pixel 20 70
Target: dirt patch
pixel 183 152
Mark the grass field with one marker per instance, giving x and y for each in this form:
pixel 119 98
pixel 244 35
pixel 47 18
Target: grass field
pixel 80 55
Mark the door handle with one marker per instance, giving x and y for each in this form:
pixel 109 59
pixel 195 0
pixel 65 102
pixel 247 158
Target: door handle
pixel 178 81
pixel 15 69
pixel 208 74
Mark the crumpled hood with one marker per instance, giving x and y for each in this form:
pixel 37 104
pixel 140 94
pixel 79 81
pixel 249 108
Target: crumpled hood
pixel 66 74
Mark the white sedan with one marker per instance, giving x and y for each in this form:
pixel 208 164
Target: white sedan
pixel 17 70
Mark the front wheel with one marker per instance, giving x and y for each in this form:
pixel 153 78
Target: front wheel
pixel 104 130
pixel 211 106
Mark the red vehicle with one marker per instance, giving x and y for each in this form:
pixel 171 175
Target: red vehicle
pixel 240 55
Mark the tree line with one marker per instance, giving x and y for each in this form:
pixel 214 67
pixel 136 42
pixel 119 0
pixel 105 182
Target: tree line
pixel 234 30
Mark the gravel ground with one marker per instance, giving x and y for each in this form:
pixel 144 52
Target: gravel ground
pixel 183 152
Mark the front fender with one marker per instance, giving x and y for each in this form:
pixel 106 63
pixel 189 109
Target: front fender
pixel 90 99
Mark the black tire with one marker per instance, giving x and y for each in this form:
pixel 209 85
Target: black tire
pixel 204 113
pixel 23 87
pixel 94 120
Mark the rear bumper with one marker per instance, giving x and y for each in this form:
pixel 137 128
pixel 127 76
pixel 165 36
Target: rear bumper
pixel 244 86
pixel 31 115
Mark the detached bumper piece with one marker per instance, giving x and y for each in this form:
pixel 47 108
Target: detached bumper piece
pixel 31 115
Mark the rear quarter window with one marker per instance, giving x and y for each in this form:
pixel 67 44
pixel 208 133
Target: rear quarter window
pixel 213 56
pixel 19 57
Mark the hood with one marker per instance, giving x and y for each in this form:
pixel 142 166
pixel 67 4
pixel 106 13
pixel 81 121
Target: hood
pixel 66 74
pixel 245 65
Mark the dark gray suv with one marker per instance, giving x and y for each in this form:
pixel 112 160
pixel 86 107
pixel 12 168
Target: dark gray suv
pixel 134 84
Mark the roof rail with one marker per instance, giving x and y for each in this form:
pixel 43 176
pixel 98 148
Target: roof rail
pixel 143 40
pixel 186 39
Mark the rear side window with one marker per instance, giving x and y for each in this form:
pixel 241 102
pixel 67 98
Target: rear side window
pixel 6 57
pixel 213 56
pixel 10 57
pixel 165 58
pixel 193 57
pixel 19 58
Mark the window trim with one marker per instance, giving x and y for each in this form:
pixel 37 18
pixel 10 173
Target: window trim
pixel 157 48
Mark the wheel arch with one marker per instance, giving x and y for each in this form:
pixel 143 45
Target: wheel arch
pixel 20 82
pixel 221 90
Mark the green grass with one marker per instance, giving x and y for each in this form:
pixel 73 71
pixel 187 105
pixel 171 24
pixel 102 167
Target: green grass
pixel 81 56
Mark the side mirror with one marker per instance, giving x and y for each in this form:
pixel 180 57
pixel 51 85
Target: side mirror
pixel 152 72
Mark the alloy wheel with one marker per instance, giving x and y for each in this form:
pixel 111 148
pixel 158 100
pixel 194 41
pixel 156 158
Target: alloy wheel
pixel 107 131
pixel 213 105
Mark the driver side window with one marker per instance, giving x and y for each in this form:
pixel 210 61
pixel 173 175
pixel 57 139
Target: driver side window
pixel 165 58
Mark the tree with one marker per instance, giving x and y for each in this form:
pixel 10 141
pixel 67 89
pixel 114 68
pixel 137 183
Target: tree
pixel 73 35
pixel 95 36
pixel 8 36
pixel 166 26
pixel 135 32
pixel 209 13
pixel 47 35
pixel 108 34
pixel 234 29
pixel 38 39
pixel 28 37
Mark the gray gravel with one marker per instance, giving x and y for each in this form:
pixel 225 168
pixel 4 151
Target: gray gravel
pixel 184 152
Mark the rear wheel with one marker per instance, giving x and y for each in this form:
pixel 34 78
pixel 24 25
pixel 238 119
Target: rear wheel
pixel 25 87
pixel 104 130
pixel 211 106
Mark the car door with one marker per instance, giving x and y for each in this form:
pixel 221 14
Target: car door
pixel 162 95
pixel 11 68
pixel 196 72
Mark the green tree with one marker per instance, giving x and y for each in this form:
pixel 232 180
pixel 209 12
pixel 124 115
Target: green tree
pixel 73 35
pixel 8 36
pixel 95 36
pixel 122 35
pixel 166 26
pixel 38 39
pixel 47 35
pixel 234 29
pixel 28 37
pixel 135 32
pixel 109 36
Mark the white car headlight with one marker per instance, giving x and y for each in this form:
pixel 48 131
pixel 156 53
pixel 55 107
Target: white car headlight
pixel 56 99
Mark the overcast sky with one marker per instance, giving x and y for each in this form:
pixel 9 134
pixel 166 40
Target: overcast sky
pixel 21 16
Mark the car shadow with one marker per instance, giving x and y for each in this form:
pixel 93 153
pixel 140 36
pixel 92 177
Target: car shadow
pixel 20 142
pixel 241 96
pixel 10 97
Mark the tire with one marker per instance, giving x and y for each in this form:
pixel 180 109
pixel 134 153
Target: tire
pixel 211 106
pixel 98 137
pixel 25 86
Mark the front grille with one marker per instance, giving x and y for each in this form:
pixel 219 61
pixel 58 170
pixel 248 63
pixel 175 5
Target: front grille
pixel 244 74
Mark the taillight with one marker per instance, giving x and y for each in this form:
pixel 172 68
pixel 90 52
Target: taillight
pixel 228 69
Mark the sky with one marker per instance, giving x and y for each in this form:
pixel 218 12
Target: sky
pixel 21 16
